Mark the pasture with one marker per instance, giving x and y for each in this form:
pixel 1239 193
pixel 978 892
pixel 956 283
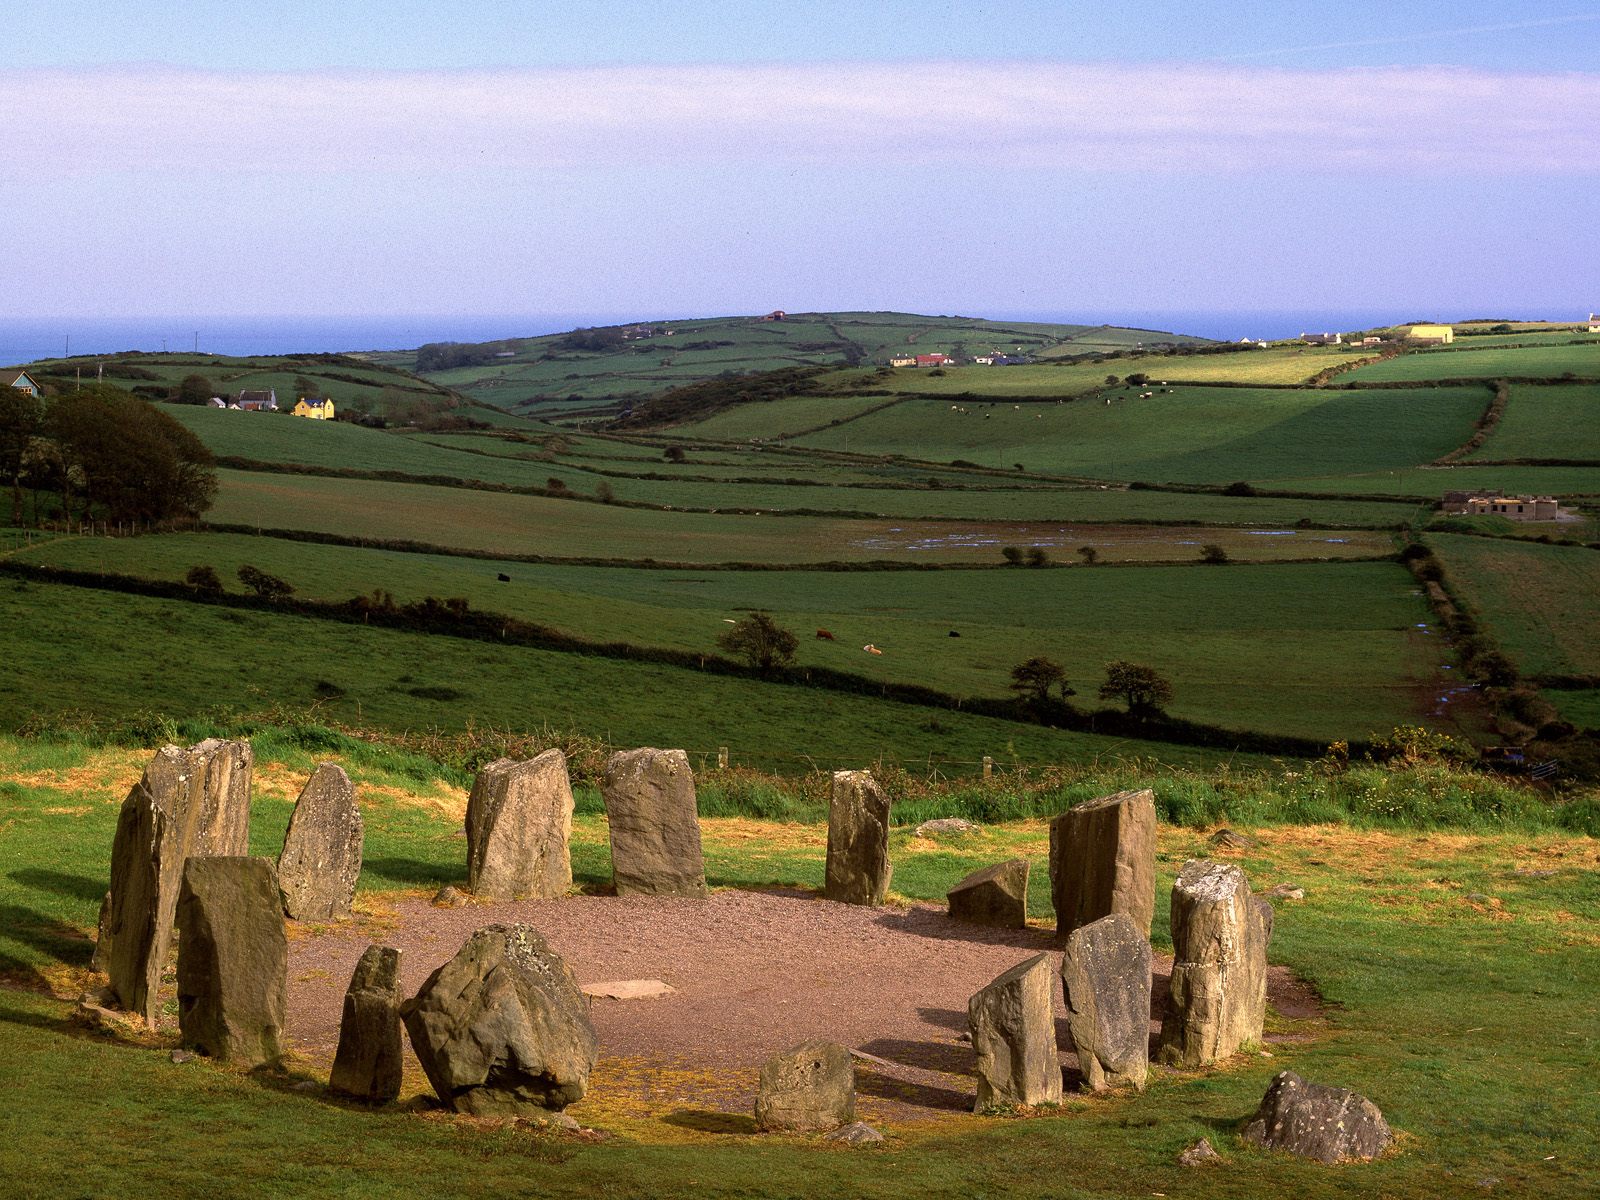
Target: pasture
pixel 1554 421
pixel 1313 650
pixel 1464 362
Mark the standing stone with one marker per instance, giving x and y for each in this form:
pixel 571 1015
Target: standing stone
pixel 188 802
pixel 1329 1124
pixel 502 1029
pixel 321 858
pixel 519 825
pixel 1105 975
pixel 858 867
pixel 1218 998
pixel 1013 1027
pixel 233 960
pixel 1103 860
pixel 810 1087
pixel 655 828
pixel 367 1065
pixel 996 895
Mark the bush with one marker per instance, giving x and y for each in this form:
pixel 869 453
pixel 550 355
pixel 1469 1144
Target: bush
pixel 1037 557
pixel 1012 555
pixel 1239 488
pixel 1213 554
pixel 760 641
pixel 204 579
pixel 267 587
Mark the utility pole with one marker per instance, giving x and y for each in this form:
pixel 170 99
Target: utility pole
pixel 197 341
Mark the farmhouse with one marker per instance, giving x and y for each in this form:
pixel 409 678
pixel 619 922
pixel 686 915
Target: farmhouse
pixel 1439 335
pixel 906 360
pixel 1594 322
pixel 1322 339
pixel 20 381
pixel 776 314
pixel 259 401
pixel 935 360
pixel 315 409
pixel 1516 508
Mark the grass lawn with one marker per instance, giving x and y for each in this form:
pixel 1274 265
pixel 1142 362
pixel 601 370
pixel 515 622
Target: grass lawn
pixel 1447 968
pixel 1463 362
pixel 1317 650
pixel 1537 601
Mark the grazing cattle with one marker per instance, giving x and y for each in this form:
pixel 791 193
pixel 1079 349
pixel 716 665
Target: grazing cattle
pixel 871 649
pixel 824 635
pixel 953 633
pixel 503 578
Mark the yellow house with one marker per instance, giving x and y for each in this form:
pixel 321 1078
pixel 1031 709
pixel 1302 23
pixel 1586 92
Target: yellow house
pixel 1431 333
pixel 317 410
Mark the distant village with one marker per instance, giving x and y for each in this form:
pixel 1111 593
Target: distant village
pixel 313 407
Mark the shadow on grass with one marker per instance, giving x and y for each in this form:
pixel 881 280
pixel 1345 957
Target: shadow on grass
pixel 79 887
pixel 708 1121
pixel 45 936
pixel 410 871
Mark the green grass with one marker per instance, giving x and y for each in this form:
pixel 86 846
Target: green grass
pixel 1537 602
pixel 1463 362
pixel 1316 650
pixel 1194 434
pixel 1581 707
pixel 1547 422
pixel 119 657
pixel 1433 482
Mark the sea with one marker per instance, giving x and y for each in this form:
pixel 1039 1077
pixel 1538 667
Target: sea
pixel 26 340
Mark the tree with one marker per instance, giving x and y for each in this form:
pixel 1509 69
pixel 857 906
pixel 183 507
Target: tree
pixel 204 579
pixel 20 415
pixel 673 454
pixel 1035 679
pixel 604 494
pixel 1213 554
pixel 1038 557
pixel 268 587
pixel 195 389
pixel 1012 555
pixel 1089 555
pixel 760 641
pixel 1139 687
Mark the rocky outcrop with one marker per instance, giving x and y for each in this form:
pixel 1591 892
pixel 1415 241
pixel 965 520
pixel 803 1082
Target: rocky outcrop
pixel 321 858
pixel 996 895
pixel 1329 1124
pixel 1013 1028
pixel 188 802
pixel 655 827
pixel 519 826
pixel 858 867
pixel 1105 975
pixel 369 1059
pixel 502 1028
pixel 1103 860
pixel 810 1087
pixel 1218 998
pixel 233 960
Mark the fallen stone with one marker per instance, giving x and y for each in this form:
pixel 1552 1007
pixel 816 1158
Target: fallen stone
pixel 947 827
pixel 1199 1154
pixel 1103 860
pixel 519 826
pixel 305 1085
pixel 857 1133
pixel 450 896
pixel 810 1087
pixel 321 858
pixel 233 960
pixel 1329 1124
pixel 655 826
pixel 1218 995
pixel 1013 1027
pixel 188 802
pixel 1284 891
pixel 858 868
pixel 1533 873
pixel 996 895
pixel 94 1011
pixel 629 989
pixel 502 1029
pixel 370 1055
pixel 1105 975
pixel 1227 839
pixel 179 1057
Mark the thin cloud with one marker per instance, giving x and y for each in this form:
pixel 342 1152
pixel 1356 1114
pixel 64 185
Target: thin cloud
pixel 990 116
pixel 1425 35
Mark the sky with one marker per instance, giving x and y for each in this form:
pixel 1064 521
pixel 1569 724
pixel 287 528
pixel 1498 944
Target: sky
pixel 1077 160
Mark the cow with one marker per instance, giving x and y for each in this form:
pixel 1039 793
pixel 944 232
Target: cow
pixel 824 636
pixel 871 649
pixel 503 578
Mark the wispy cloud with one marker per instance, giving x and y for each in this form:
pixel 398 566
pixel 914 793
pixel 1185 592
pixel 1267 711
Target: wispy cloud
pixel 1429 34
pixel 995 115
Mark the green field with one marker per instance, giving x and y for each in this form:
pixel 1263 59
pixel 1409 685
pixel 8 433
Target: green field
pixel 1547 422
pixel 1322 650
pixel 1463 362
pixel 1194 435
pixel 1538 602
pixel 1433 482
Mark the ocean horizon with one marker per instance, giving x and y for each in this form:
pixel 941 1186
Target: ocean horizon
pixel 27 340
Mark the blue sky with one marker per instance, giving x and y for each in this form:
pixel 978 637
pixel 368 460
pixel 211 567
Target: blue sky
pixel 673 159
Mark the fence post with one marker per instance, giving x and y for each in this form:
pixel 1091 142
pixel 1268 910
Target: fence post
pixel 722 758
pixel 988 768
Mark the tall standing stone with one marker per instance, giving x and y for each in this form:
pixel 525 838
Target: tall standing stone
pixel 188 802
pixel 858 867
pixel 368 1062
pixel 810 1087
pixel 1013 1027
pixel 996 895
pixel 321 858
pixel 1103 860
pixel 655 827
pixel 519 826
pixel 502 1029
pixel 1105 975
pixel 1218 998
pixel 233 960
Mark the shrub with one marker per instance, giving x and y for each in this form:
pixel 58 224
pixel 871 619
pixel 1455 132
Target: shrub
pixel 267 587
pixel 1141 688
pixel 1012 555
pixel 1213 554
pixel 1037 557
pixel 204 579
pixel 760 641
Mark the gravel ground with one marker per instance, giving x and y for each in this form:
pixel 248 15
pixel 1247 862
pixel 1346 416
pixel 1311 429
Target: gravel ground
pixel 755 972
